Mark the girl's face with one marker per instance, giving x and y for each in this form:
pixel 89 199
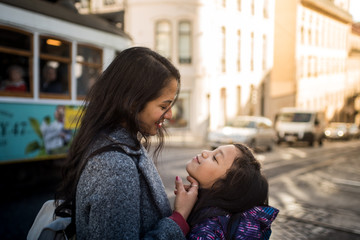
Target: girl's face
pixel 151 117
pixel 209 166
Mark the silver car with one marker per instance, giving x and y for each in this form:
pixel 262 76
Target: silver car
pixel 256 132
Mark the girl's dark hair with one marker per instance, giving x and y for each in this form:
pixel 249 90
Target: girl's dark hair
pixel 242 188
pixel 136 76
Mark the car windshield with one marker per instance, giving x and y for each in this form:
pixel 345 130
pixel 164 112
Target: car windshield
pixel 294 117
pixel 241 123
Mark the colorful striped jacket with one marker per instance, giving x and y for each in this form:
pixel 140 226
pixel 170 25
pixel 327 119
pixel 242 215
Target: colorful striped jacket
pixel 254 224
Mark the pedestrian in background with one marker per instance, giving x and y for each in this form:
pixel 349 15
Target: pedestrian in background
pixel 110 185
pixel 233 196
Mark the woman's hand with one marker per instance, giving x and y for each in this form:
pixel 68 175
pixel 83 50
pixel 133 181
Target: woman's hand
pixel 186 196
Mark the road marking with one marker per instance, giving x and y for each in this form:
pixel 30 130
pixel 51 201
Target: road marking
pixel 346 182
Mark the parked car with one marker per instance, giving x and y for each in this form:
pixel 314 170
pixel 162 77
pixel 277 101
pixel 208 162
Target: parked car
pixel 354 130
pixel 254 131
pixel 337 131
pixel 300 125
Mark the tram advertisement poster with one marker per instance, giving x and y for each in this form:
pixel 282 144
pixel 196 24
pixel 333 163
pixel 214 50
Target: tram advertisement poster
pixel 35 131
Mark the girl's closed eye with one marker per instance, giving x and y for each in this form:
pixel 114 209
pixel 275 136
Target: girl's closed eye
pixel 214 158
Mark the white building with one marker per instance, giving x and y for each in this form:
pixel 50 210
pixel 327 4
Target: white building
pixel 223 50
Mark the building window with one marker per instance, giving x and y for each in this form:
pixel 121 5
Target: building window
pixel 55 61
pixel 223 106
pixel 185 42
pixel 252 52
pixel 180 111
pixel 163 38
pixel 223 49
pixel 109 2
pixel 238 61
pixel 302 35
pixel 266 9
pixel 264 53
pixel 15 62
pixel 88 68
pixel 252 7
pixel 238 95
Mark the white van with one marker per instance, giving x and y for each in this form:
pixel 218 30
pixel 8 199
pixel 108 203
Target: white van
pixel 293 124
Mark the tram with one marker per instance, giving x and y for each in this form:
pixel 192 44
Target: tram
pixel 49 58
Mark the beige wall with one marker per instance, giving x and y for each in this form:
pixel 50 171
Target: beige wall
pixel 283 77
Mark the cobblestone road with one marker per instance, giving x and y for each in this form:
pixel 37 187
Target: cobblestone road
pixel 320 204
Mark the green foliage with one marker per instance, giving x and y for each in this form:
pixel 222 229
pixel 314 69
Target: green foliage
pixel 35 145
pixel 35 126
pixel 32 147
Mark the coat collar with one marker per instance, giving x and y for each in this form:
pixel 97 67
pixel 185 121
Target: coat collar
pixel 147 168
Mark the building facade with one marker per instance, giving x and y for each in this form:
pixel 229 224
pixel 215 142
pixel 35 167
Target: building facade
pixel 247 57
pixel 353 75
pixel 223 50
pixel 312 57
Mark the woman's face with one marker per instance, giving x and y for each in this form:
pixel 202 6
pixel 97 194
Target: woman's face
pixel 209 166
pixel 151 116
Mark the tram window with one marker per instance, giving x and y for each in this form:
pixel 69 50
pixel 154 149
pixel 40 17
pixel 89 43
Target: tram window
pixel 54 77
pixel 55 59
pixel 15 64
pixel 54 47
pixel 88 68
pixel 13 39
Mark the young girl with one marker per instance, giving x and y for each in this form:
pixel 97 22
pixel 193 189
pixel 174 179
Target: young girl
pixel 232 201
pixel 110 185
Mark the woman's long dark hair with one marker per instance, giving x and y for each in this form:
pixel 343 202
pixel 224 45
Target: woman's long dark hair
pixel 242 188
pixel 136 76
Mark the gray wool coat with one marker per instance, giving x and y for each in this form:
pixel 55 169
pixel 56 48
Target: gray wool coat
pixel 115 199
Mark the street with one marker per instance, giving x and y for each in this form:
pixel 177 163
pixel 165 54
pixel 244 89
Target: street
pixel 316 189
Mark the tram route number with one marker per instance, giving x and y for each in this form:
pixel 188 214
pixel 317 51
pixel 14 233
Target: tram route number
pixel 14 129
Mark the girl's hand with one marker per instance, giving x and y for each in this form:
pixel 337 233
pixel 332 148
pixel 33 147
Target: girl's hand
pixel 186 196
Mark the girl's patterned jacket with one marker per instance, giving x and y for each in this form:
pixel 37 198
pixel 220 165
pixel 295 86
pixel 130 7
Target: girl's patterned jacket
pixel 254 224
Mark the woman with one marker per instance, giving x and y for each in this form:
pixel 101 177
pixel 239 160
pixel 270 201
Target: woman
pixel 110 184
pixel 232 197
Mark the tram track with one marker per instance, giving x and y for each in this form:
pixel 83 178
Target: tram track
pixel 297 166
pixel 333 219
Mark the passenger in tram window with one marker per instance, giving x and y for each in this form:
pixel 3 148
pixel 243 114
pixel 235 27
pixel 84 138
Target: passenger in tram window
pixel 15 81
pixel 233 195
pixel 50 83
